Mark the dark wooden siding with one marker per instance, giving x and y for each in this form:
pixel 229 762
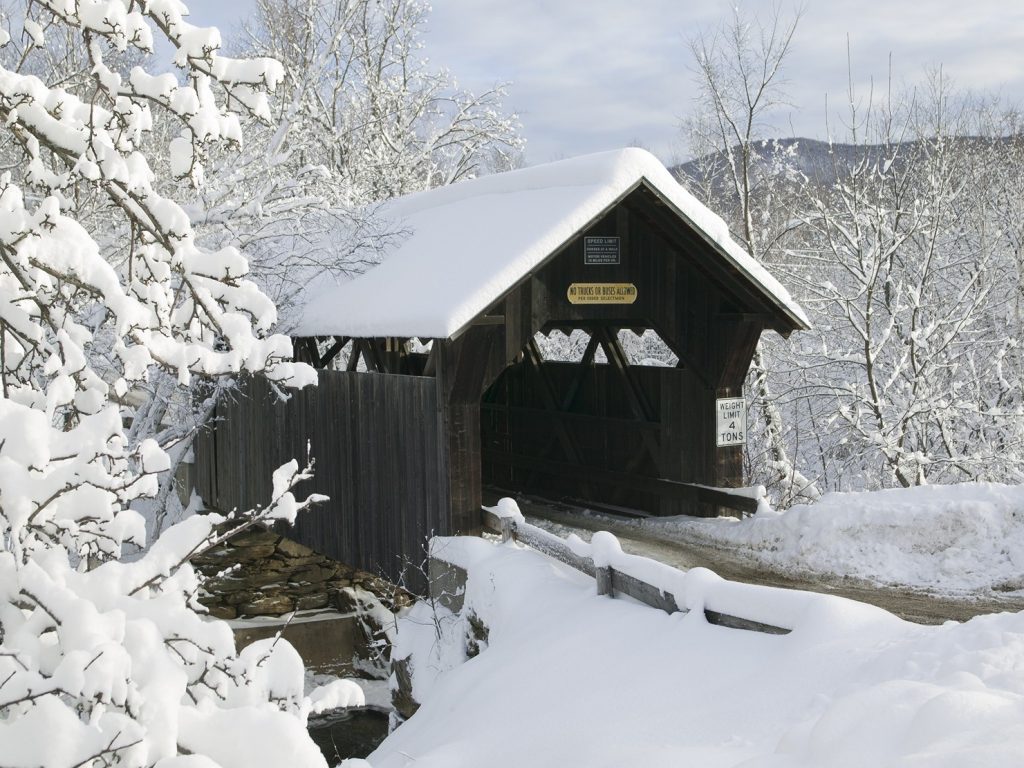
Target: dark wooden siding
pixel 404 455
pixel 518 427
pixel 375 441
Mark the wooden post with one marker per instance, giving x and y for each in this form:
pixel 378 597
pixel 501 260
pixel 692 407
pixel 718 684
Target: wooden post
pixel 604 581
pixel 464 367
pixel 507 529
pixel 736 340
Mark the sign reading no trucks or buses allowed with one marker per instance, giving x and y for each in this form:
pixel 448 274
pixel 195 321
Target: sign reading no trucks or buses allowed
pixel 601 293
pixel 731 421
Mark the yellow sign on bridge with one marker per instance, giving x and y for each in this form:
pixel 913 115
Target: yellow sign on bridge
pixel 601 293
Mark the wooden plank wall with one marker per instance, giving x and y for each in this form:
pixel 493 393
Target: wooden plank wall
pixel 378 456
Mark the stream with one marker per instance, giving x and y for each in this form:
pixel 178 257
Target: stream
pixel 351 732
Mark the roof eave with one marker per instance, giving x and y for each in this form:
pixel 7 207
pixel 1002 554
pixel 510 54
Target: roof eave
pixel 794 321
pixel 553 254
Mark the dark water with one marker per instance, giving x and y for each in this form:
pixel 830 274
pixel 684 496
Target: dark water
pixel 348 733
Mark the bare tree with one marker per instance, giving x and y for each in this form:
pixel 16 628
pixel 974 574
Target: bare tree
pixel 747 179
pixel 739 71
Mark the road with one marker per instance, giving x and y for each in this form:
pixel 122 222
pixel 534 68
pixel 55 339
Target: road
pixel 920 607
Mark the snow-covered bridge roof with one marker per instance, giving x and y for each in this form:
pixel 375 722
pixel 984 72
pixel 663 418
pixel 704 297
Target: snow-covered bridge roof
pixel 469 243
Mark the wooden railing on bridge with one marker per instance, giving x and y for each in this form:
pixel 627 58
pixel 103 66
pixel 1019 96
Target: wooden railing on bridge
pixel 611 581
pixel 659 486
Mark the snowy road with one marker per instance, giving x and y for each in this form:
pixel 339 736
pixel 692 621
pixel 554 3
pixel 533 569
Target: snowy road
pixel 920 607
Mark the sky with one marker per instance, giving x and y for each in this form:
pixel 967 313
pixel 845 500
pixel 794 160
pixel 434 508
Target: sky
pixel 589 75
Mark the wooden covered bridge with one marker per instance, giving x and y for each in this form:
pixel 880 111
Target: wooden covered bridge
pixel 444 389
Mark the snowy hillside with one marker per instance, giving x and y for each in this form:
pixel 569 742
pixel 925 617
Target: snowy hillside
pixel 817 160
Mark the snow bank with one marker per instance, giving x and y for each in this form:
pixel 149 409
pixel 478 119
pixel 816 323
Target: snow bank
pixel 569 678
pixel 951 539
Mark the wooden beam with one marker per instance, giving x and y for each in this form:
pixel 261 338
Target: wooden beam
pixel 304 350
pixel 654 426
pixel 672 489
pixel 620 361
pixel 585 362
pixel 333 351
pixel 431 365
pixel 489 320
pixel 372 356
pixel 685 360
pixel 463 367
pixel 571 450
pixel 637 400
pixel 353 359
pixel 736 339
pixel 569 397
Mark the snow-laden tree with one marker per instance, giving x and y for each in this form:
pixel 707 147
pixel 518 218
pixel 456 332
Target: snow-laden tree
pixel 356 117
pixel 911 368
pixel 105 662
pixel 903 245
pixel 372 110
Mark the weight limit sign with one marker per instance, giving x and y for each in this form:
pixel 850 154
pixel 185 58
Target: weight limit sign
pixel 730 421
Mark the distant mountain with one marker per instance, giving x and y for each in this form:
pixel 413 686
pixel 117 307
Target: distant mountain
pixel 815 159
pixel 818 160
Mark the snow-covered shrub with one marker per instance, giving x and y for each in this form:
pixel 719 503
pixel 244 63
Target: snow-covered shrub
pixel 104 662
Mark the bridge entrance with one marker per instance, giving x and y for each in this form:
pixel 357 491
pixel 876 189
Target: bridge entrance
pixel 600 429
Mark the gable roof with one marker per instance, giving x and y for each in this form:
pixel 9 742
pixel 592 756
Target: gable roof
pixel 469 243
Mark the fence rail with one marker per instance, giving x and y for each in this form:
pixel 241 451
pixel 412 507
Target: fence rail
pixel 610 581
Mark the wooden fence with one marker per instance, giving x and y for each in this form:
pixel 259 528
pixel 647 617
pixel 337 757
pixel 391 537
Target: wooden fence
pixel 610 581
pixel 375 439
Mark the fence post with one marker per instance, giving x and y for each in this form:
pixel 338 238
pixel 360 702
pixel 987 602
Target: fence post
pixel 508 529
pixel 603 577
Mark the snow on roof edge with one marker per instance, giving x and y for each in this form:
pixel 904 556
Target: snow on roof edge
pixel 773 290
pixel 558 200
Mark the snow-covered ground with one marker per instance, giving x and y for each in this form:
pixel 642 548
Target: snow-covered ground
pixel 956 539
pixel 568 678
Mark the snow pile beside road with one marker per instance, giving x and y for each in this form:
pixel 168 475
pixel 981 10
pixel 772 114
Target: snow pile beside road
pixel 568 678
pixel 952 539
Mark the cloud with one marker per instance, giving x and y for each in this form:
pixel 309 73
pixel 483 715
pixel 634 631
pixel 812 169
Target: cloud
pixel 602 73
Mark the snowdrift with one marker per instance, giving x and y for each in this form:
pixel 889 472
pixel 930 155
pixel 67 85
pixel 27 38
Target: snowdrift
pixel 950 539
pixel 568 678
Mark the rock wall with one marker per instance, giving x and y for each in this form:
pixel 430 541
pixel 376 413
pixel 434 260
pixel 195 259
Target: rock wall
pixel 262 573
pixel 340 619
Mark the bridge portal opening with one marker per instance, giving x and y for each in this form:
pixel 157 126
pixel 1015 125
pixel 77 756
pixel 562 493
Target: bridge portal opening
pixel 590 415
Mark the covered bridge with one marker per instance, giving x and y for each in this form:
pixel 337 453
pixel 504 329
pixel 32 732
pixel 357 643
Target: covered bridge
pixel 445 390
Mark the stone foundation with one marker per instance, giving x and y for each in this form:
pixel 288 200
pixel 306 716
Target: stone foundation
pixel 338 618
pixel 262 573
pixel 447 588
pixel 329 642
